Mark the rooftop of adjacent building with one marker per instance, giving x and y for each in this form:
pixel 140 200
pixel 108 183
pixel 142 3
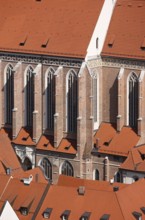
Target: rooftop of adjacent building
pixel 97 198
pixel 107 140
pixel 135 160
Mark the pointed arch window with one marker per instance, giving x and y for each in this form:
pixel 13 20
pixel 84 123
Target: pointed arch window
pixel 47 167
pixel 117 177
pixel 133 100
pixel 72 102
pixel 9 94
pixel 50 99
pixel 96 174
pixel 27 165
pixel 67 169
pixel 95 99
pixel 29 96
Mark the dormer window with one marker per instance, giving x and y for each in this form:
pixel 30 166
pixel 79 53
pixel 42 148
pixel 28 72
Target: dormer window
pixel 65 215
pixel 105 217
pixel 24 210
pixel 47 213
pixel 137 215
pixel 85 216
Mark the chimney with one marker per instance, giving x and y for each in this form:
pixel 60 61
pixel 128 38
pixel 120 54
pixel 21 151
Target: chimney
pixel 115 188
pixel 81 190
pixel 27 181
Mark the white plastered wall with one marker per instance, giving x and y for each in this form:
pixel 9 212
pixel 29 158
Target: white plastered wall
pixel 100 30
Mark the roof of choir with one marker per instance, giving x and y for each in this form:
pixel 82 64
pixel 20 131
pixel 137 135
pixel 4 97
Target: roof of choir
pixel 126 33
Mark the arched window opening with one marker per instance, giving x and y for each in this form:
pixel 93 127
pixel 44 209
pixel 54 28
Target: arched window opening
pixel 72 102
pixel 50 93
pixel 29 97
pixel 95 99
pixel 96 175
pixel 9 94
pixel 47 167
pixel 27 165
pixel 135 178
pixel 133 100
pixel 67 169
pixel 117 177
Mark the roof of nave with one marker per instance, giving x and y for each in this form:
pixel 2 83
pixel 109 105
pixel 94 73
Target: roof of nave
pixel 56 28
pixel 135 160
pixel 126 33
pixel 107 140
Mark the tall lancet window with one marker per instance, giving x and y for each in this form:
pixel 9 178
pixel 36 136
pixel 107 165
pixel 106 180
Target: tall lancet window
pixel 72 102
pixel 50 99
pixel 133 100
pixel 95 99
pixel 29 96
pixel 9 94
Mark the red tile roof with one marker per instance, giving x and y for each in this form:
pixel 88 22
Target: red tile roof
pixel 115 143
pixel 97 202
pixel 8 158
pixel 69 181
pixel 24 138
pixel 37 173
pixel 67 146
pixel 127 31
pixel 65 27
pixel 20 195
pixel 135 160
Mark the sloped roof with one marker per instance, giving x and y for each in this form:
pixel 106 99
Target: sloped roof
pixel 67 146
pixel 69 181
pixel 56 28
pixel 8 158
pixel 126 33
pixel 115 143
pixel 135 160
pixel 37 173
pixel 20 195
pixel 132 199
pixel 24 138
pixel 97 202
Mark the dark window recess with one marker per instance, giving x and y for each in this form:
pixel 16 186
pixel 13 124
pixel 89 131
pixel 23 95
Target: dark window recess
pixel 47 213
pixel 9 94
pixel 67 169
pixel 85 216
pixel 47 167
pixel 29 96
pixel 137 215
pixel 65 215
pixel 24 210
pixel 50 99
pixel 133 100
pixel 105 217
pixel 72 103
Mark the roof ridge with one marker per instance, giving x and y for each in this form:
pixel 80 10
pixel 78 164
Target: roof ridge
pixel 119 205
